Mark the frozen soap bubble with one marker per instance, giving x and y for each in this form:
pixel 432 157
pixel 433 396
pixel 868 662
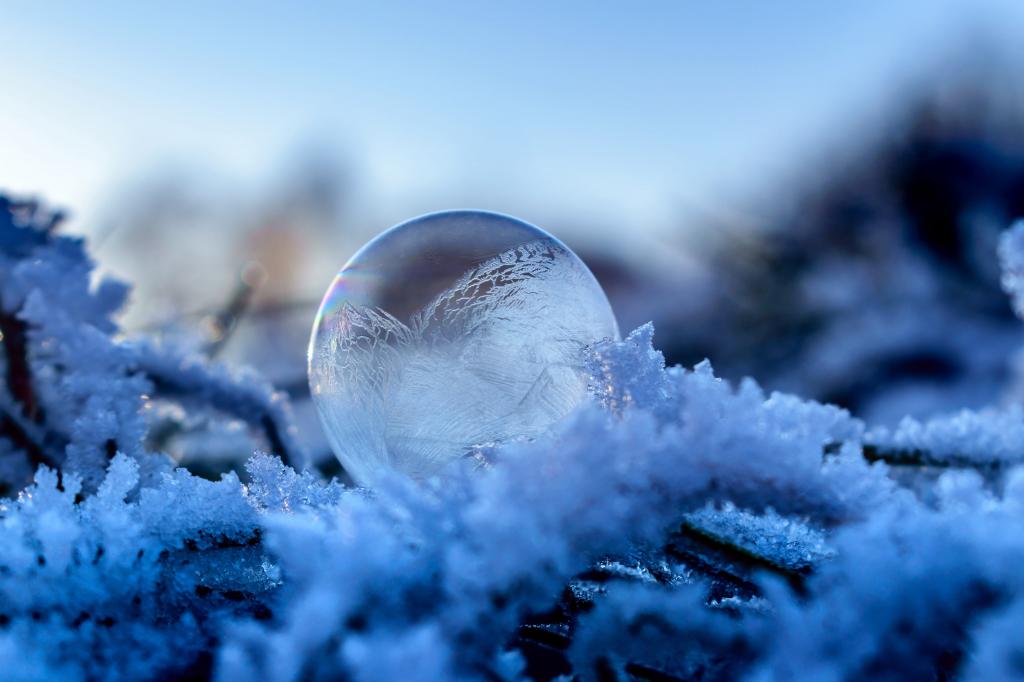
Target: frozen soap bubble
pixel 448 331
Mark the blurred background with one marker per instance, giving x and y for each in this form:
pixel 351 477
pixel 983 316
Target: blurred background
pixel 808 193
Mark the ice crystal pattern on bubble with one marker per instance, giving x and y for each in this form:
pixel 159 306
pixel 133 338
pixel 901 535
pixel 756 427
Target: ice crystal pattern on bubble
pixel 496 356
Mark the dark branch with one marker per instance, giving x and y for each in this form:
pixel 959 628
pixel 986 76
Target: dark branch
pixel 19 437
pixel 923 458
pixel 14 333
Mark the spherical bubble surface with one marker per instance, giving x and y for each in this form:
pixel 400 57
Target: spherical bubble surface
pixel 449 331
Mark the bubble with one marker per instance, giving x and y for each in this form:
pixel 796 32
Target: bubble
pixel 449 332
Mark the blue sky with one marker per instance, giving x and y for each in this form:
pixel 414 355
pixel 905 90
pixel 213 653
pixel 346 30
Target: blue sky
pixel 620 112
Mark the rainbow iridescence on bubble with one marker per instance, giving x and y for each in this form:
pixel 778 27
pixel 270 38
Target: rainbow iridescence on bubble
pixel 450 331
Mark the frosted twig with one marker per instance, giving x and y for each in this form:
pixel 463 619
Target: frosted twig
pixel 225 322
pixel 731 561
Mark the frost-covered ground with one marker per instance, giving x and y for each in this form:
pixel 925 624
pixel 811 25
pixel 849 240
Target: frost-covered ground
pixel 674 527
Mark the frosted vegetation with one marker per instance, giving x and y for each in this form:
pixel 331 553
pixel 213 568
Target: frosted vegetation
pixel 671 527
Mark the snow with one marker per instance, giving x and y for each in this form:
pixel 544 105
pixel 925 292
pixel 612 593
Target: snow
pixel 672 522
